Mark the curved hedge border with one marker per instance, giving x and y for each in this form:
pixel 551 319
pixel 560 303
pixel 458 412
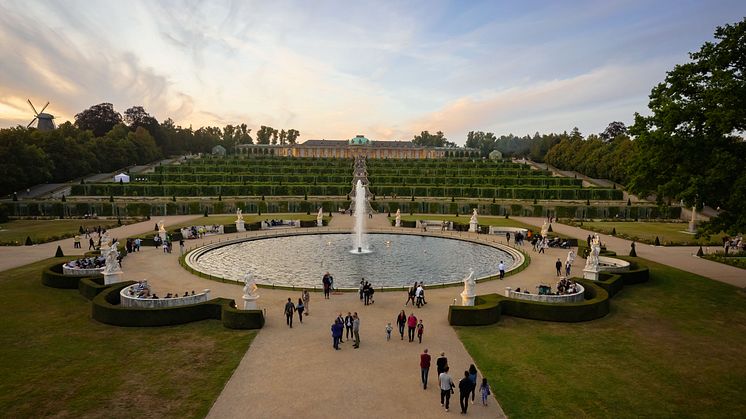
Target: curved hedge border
pixel 106 309
pixel 53 277
pixel 488 308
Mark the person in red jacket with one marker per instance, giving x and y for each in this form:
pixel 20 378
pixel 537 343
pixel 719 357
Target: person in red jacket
pixel 424 367
pixel 411 326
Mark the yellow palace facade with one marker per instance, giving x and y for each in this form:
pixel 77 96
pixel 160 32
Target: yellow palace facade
pixel 357 146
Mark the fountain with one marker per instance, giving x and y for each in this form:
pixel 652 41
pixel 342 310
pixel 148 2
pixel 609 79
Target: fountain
pixel 360 243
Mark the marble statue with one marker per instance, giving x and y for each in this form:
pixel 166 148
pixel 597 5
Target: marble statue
pixel 571 256
pixel 320 218
pixel 249 288
pixel 470 284
pixel 473 223
pixel 544 229
pixel 112 259
pixel 239 215
pixel 161 226
pixel 591 264
pixel 398 218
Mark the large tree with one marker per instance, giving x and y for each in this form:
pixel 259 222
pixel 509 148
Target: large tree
pixel 99 118
pixel 431 140
pixel 691 147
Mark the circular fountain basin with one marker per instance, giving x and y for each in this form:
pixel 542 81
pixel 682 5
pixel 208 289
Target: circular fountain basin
pixel 390 260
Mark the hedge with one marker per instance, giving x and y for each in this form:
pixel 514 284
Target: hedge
pixel 105 308
pixel 488 308
pixel 53 277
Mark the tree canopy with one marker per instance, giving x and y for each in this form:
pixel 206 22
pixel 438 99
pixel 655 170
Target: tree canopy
pixel 691 147
pixel 426 139
pixel 99 118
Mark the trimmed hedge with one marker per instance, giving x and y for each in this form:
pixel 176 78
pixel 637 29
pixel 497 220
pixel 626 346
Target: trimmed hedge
pixel 53 277
pixel 91 287
pixel 488 308
pixel 105 308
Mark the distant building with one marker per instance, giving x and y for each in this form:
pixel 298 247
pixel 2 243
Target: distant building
pixel 347 149
pixel 218 150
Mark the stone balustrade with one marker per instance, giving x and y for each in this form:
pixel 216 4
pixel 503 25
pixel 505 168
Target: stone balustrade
pixel 612 265
pixel 128 300
pixel 512 230
pixel 554 299
pixel 69 271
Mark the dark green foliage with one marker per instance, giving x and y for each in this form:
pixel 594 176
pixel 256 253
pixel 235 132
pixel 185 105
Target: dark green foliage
pixel 111 198
pixel 28 241
pixel 632 251
pixel 106 309
pixel 58 253
pixel 550 229
pixel 700 253
pixel 206 214
pixel 613 231
pixel 657 241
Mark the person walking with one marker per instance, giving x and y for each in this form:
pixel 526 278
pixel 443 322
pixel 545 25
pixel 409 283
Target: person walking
pixel 465 387
pixel 388 331
pixel 568 266
pixel 348 325
pixel 361 289
pixel 91 244
pixel 341 321
pixel 501 268
pixel 420 296
pixel 306 297
pixel 356 330
pixel 410 294
pixel 484 390
pixel 411 325
pixel 473 378
pixel 424 367
pixel 441 363
pixel 337 333
pixel 558 265
pixel 420 330
pixel 446 388
pixel 507 237
pixel 289 310
pixel 299 308
pixel 401 320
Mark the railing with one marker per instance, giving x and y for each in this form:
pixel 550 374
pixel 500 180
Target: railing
pixel 128 300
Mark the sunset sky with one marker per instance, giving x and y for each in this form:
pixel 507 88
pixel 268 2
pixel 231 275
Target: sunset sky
pixel 386 69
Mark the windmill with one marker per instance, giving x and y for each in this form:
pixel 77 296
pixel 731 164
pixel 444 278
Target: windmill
pixel 46 122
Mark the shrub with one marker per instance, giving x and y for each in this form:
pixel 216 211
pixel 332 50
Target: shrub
pixel 58 253
pixel 28 241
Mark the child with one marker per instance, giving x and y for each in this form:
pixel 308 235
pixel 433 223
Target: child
pixel 420 329
pixel 484 390
pixel 388 331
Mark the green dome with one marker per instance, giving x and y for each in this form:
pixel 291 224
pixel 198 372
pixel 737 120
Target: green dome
pixel 359 140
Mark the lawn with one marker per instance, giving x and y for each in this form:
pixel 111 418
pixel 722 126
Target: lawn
pixel 58 362
pixel 646 232
pixel 672 347
pixel 42 231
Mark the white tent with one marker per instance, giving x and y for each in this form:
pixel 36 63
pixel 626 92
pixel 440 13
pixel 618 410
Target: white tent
pixel 122 178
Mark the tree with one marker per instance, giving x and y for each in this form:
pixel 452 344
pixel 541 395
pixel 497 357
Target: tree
pixel 615 129
pixel 293 135
pixel 426 139
pixel 274 137
pixel 283 137
pixel 485 142
pixel 99 118
pixel 264 134
pixel 690 147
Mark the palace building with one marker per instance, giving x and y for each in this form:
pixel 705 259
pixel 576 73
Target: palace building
pixel 357 146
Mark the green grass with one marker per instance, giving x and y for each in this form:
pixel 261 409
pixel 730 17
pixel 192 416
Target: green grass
pixel 646 232
pixel 247 218
pixel 672 347
pixel 56 361
pixel 41 231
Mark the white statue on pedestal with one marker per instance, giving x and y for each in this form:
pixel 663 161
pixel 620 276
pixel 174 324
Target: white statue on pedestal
pixel 320 218
pixel 544 229
pixel 161 226
pixel 473 223
pixel 239 220
pixel 398 218
pixel 467 296
pixel 112 264
pixel 591 263
pixel 250 294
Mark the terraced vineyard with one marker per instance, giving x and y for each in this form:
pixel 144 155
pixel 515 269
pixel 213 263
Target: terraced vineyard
pixel 277 176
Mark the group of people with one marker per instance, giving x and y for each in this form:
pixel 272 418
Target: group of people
pixel 467 386
pixel 94 262
pixel 278 223
pixel 733 244
pixel 416 294
pixel 567 265
pixel 366 292
pixel 518 238
pixel 132 245
pixel 350 323
pixel 412 325
pixel 300 308
pixel 566 286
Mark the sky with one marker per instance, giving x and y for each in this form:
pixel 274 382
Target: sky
pixel 334 69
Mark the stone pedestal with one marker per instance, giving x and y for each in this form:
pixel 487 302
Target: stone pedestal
pixel 467 299
pixel 590 274
pixel 692 226
pixel 162 235
pixel 240 225
pixel 473 227
pixel 113 278
pixel 319 223
pixel 249 302
pixel 507 291
pixel 398 223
